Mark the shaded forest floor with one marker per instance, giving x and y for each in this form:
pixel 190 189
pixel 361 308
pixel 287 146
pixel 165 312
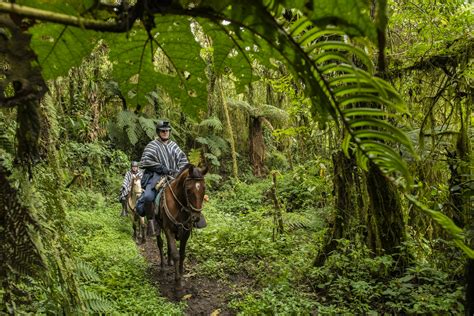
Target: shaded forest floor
pixel 203 295
pixel 237 264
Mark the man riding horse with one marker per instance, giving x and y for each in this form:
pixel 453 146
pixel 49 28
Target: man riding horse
pixel 127 184
pixel 162 157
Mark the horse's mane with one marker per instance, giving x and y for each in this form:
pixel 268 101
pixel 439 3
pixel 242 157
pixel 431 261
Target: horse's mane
pixel 195 174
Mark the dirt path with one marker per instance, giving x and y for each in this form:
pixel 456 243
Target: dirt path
pixel 204 296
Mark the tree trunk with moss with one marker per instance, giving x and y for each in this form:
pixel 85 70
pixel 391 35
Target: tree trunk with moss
pixel 257 146
pixel 256 141
pixel 230 133
pixel 386 227
pixel 346 201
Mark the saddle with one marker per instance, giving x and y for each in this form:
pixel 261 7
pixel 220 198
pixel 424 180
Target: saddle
pixel 159 188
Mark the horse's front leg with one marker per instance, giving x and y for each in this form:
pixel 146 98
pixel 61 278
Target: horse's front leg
pixel 175 255
pixel 159 242
pixel 142 229
pixel 134 226
pixel 182 250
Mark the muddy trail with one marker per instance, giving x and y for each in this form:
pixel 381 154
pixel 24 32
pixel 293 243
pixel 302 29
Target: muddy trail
pixel 204 296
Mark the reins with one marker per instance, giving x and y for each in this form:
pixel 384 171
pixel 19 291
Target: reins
pixel 186 209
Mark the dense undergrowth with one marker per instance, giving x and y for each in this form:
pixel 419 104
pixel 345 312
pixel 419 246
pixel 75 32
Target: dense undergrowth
pixel 115 270
pixel 277 274
pixel 268 273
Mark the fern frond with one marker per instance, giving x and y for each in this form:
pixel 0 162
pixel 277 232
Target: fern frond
pixel 86 271
pixel 361 101
pixel 202 140
pixel 240 105
pixel 124 118
pixel 273 113
pixel 94 302
pixel 212 122
pixel 148 126
pixel 446 223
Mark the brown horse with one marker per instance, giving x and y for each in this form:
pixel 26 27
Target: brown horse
pixel 180 207
pixel 138 222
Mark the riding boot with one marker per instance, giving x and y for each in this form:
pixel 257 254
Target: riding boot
pixel 148 207
pixel 124 208
pixel 201 223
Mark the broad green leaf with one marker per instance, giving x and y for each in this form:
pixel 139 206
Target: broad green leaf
pixel 61 47
pixel 131 55
pixel 227 52
pixel 69 7
pixel 183 74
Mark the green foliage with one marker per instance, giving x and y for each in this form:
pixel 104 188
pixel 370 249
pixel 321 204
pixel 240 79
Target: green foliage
pixel 114 280
pixel 129 130
pixel 446 223
pixel 276 160
pixel 93 164
pixel 428 30
pixel 275 300
pixel 61 47
pixel 214 146
pixel 7 139
pixel 303 188
pixel 144 61
pixel 327 68
pixel 352 281
pixel 351 15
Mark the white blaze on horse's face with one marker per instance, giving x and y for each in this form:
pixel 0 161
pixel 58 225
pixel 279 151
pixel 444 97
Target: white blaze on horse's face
pixel 198 186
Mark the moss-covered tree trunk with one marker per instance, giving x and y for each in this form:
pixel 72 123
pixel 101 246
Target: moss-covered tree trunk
pixel 346 201
pixel 230 133
pixel 257 146
pixel 256 141
pixel 385 224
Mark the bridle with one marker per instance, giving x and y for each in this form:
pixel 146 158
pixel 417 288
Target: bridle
pixel 187 209
pixel 135 178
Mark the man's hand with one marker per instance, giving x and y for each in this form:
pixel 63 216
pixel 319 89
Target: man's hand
pixel 162 169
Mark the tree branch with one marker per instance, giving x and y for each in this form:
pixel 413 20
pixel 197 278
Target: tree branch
pixel 64 19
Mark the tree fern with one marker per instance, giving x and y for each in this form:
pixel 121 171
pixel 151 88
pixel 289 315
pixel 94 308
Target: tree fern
pixel 148 126
pixel 212 122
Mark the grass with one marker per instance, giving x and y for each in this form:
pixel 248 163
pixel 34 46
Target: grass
pixel 269 274
pixel 102 241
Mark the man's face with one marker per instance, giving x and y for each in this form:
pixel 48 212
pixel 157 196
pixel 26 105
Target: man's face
pixel 164 135
pixel 134 169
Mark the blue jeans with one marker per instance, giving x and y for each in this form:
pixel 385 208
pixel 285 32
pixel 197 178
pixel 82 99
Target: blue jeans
pixel 149 181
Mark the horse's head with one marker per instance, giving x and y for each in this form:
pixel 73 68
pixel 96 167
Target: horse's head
pixel 194 189
pixel 136 188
